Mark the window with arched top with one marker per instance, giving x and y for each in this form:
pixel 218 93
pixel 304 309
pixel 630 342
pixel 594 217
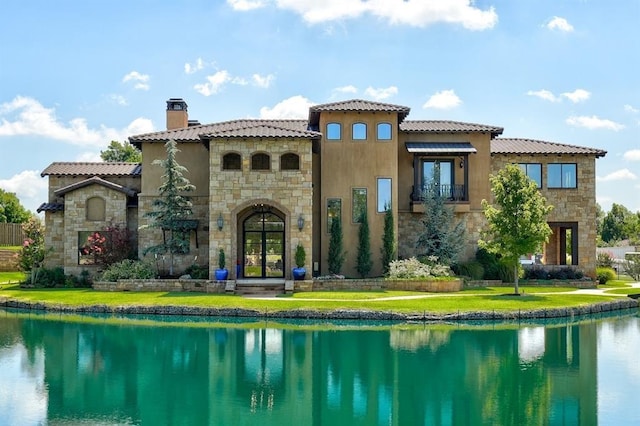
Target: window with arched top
pixel 334 131
pixel 359 131
pixel 232 161
pixel 260 161
pixel 95 208
pixel 290 161
pixel 384 131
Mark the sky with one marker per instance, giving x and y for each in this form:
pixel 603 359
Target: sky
pixel 75 75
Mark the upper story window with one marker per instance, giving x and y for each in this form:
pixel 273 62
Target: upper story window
pixel 96 209
pixel 359 131
pixel 232 161
pixel 384 131
pixel 260 161
pixel 562 175
pixel 334 131
pixel 533 171
pixel 290 161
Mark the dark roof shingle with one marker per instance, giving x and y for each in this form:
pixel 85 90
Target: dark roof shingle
pixel 440 126
pixel 531 146
pixel 50 207
pixel 95 180
pixel 356 105
pixel 92 169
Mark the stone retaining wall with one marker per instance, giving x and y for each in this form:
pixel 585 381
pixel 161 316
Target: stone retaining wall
pixel 8 260
pixel 533 283
pixel 203 286
pixel 435 286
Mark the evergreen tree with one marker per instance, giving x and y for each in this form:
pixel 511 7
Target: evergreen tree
pixel 11 211
pixel 364 262
pixel 442 236
pixel 336 251
pixel 171 208
pixel 121 152
pixel 518 226
pixel 388 250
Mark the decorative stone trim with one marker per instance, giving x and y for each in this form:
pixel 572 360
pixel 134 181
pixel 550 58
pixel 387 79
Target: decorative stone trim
pixel 201 286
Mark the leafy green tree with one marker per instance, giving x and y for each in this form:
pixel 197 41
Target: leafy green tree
pixel 336 253
pixel 33 252
pixel 11 211
pixel 388 249
pixel 518 225
pixel 121 152
pixel 620 224
pixel 364 262
pixel 172 208
pixel 442 235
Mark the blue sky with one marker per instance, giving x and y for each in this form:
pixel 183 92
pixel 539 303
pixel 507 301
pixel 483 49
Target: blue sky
pixel 77 74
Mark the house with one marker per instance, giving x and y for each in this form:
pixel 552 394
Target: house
pixel 264 186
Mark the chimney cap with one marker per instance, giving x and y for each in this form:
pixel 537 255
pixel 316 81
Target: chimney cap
pixel 176 104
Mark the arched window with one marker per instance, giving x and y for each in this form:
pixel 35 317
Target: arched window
pixel 95 208
pixel 260 162
pixel 290 161
pixel 232 161
pixel 359 131
pixel 334 131
pixel 384 131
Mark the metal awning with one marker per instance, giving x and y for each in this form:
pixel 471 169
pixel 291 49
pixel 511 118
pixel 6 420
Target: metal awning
pixel 440 148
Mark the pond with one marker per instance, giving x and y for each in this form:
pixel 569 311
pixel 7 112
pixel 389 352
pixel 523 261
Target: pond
pixel 72 369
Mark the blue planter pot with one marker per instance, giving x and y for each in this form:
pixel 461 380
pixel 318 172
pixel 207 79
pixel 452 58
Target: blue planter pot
pixel 221 274
pixel 299 273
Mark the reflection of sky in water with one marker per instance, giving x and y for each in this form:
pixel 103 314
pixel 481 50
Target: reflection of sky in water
pixel 263 355
pixel 530 343
pixel 23 394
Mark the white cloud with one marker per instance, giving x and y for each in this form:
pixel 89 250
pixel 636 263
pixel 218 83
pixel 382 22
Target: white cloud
pixel 263 81
pixel 25 116
pixel 578 95
pixel 141 81
pixel 631 109
pixel 623 174
pixel 417 13
pixel 382 93
pixel 293 107
pixel 244 5
pixel 633 155
pixel 544 94
pixel 593 123
pixel 118 99
pixel 192 68
pixel 559 24
pixel 216 81
pixel 345 89
pixel 445 99
pixel 29 187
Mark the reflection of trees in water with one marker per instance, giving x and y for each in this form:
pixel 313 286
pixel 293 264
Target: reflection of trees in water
pixel 414 339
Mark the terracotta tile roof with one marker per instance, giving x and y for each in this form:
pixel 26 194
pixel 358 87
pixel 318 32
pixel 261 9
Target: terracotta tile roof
pixel 97 181
pixel 50 207
pixel 356 105
pixel 530 146
pixel 446 126
pixel 92 169
pixel 228 129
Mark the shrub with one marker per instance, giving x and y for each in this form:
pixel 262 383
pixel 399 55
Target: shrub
pixel 632 265
pixel 128 269
pixel 490 262
pixel 604 260
pixel 300 256
pixel 536 274
pixel 198 272
pixel 605 274
pixel 472 269
pixel 46 277
pixel 413 268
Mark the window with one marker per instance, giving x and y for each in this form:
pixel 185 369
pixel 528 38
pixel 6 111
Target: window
pixel 533 171
pixel 232 161
pixel 359 131
pixel 289 161
pixel 95 209
pixel 334 210
pixel 562 175
pixel 92 247
pixel 437 175
pixel 334 131
pixel 384 194
pixel 260 162
pixel 358 204
pixel 384 131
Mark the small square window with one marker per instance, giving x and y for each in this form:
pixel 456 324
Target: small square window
pixel 359 131
pixel 334 131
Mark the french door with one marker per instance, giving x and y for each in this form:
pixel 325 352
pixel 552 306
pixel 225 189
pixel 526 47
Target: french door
pixel 263 245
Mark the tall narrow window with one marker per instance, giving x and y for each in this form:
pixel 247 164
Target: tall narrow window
pixel 359 131
pixel 384 194
pixel 289 161
pixel 384 131
pixel 334 131
pixel 231 161
pixel 562 175
pixel 260 162
pixel 334 210
pixel 358 204
pixel 533 171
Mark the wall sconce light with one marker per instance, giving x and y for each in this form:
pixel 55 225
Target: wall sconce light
pixel 220 222
pixel 300 222
pixel 461 162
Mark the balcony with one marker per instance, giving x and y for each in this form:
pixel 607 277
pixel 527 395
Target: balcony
pixel 452 194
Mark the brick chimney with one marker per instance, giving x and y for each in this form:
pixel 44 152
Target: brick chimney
pixel 177 116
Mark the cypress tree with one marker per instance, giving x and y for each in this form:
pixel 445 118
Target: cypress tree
pixel 364 262
pixel 388 250
pixel 336 251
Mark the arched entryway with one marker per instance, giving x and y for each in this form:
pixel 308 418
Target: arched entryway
pixel 263 244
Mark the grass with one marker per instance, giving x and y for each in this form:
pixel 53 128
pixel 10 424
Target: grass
pixel 11 277
pixel 12 248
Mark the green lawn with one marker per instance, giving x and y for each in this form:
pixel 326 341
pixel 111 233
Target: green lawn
pixel 11 277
